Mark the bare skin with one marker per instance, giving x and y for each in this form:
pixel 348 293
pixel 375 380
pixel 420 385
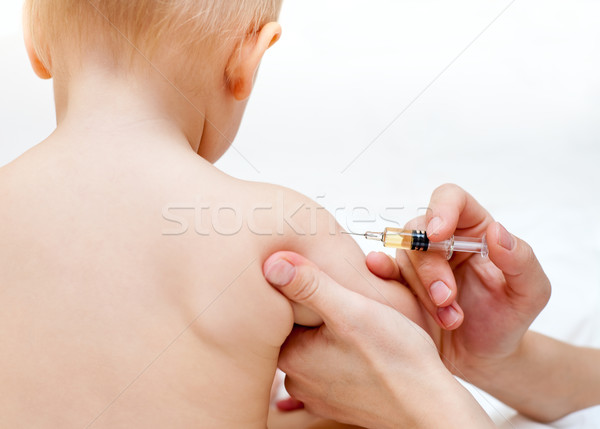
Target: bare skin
pixel 109 318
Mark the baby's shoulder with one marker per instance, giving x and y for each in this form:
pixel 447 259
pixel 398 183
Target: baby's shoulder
pixel 227 206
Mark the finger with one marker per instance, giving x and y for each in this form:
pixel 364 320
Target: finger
pixel 436 277
pixel 289 404
pixel 304 283
pixel 383 265
pixel 452 208
pixel 299 350
pixel 293 388
pixel 451 317
pixel 437 283
pixel 523 273
pixel 448 317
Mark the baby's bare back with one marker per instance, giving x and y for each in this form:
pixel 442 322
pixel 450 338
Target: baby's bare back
pixel 112 313
pixel 131 287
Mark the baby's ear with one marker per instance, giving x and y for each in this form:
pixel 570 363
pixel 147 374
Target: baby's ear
pixel 34 59
pixel 243 64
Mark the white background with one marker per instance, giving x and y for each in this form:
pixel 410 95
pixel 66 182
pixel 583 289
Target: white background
pixel 514 118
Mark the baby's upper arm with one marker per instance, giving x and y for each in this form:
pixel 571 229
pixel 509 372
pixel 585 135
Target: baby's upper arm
pixel 314 233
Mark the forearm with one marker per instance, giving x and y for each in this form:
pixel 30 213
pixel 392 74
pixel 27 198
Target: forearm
pixel 546 379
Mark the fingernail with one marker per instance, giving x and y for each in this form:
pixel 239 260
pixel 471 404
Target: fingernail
pixel 505 238
pixel 289 404
pixel 439 292
pixel 434 226
pixel 280 273
pixel 448 315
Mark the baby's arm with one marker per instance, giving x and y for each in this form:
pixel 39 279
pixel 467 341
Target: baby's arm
pixel 313 233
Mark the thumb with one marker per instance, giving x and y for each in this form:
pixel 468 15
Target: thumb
pixel 304 283
pixel 523 273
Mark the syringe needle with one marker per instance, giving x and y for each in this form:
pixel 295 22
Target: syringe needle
pixel 369 235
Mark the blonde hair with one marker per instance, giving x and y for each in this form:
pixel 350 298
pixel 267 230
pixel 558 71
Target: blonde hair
pixel 126 26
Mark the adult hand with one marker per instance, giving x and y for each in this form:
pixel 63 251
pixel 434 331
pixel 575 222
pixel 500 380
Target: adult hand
pixel 499 296
pixel 367 364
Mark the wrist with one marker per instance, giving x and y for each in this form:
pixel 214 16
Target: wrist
pixel 487 372
pixel 455 406
pixel 440 398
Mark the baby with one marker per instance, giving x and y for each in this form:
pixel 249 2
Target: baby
pixel 120 306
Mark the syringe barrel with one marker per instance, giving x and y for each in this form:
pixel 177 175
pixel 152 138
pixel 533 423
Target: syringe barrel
pixel 417 240
pixel 399 238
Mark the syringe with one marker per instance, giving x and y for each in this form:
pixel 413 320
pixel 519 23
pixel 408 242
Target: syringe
pixel 417 240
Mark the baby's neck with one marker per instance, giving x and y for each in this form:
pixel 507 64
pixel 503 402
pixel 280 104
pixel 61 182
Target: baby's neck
pixel 106 106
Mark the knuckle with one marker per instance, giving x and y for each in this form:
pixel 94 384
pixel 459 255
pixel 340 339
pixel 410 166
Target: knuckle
pixel 527 259
pixel 424 264
pixel 447 187
pixel 306 285
pixel 528 255
pixel 416 222
pixel 529 262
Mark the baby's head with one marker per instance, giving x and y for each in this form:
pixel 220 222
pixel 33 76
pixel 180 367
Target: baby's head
pixel 209 50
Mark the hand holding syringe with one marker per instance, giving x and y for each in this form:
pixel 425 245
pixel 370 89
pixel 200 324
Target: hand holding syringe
pixel 417 240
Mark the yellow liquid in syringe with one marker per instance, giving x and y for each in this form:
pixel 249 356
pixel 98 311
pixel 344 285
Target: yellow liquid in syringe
pixel 405 239
pixel 398 238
